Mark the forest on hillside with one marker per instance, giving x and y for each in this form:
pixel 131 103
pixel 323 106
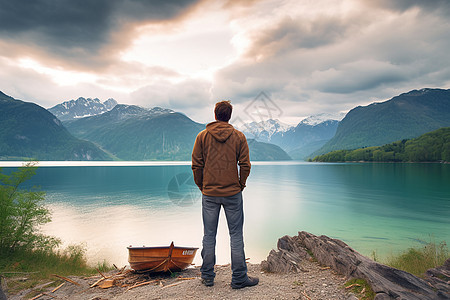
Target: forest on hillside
pixel 430 147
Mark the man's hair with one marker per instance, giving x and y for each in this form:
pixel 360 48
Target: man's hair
pixel 223 110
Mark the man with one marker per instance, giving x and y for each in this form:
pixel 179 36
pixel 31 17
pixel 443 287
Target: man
pixel 218 150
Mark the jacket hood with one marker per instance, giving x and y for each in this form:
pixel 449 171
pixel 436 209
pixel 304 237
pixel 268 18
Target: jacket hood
pixel 220 130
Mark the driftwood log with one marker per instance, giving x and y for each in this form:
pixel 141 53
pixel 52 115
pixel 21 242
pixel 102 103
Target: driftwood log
pixel 386 282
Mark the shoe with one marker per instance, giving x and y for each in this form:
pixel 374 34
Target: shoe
pixel 208 282
pixel 251 281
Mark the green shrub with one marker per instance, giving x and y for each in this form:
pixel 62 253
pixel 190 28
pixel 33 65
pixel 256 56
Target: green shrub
pixel 24 251
pixel 21 213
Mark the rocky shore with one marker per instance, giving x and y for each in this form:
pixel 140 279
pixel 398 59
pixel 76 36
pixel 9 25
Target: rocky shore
pixel 314 282
pixel 386 282
pixel 303 267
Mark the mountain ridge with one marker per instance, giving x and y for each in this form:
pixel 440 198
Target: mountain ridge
pixel 28 130
pixel 298 141
pixel 405 116
pixel 134 133
pixel 263 130
pixel 432 146
pixel 82 107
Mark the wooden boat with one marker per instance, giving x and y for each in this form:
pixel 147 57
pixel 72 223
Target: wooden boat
pixel 160 259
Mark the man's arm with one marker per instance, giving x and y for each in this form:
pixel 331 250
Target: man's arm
pixel 244 163
pixel 198 162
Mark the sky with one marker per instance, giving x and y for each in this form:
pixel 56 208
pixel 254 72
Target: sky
pixel 272 59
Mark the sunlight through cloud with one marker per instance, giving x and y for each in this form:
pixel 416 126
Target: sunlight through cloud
pixel 58 75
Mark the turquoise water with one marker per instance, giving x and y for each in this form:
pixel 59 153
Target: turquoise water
pixel 372 207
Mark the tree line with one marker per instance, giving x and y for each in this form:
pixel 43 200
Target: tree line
pixel 429 147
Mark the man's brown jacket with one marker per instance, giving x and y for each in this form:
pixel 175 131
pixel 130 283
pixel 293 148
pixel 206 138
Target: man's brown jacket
pixel 218 150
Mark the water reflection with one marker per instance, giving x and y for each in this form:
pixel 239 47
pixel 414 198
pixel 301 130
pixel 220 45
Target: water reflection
pixel 383 207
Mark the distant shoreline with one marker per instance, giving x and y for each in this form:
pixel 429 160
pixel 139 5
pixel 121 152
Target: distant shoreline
pixel 106 163
pixel 382 162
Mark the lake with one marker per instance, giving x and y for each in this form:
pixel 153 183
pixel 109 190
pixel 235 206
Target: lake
pixel 382 207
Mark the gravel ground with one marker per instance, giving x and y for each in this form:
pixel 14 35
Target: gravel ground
pixel 313 282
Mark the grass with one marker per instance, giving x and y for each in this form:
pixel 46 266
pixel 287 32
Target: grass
pixel 414 260
pixel 360 288
pixel 27 269
pixel 313 258
pixel 418 260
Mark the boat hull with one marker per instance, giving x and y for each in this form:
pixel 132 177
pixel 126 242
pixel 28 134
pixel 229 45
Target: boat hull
pixel 160 259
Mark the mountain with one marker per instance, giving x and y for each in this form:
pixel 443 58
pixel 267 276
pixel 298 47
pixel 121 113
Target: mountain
pixel 266 151
pixel 304 152
pixel 263 130
pixel 81 108
pixel 308 136
pixel 402 117
pixel 323 117
pixel 299 141
pixel 131 132
pixel 28 130
pixel 87 127
pixel 305 134
pixel 429 147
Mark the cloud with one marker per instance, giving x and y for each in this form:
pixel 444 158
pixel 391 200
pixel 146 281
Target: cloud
pixel 296 33
pixel 31 86
pixel 190 96
pixel 318 61
pixel 130 76
pixel 307 56
pixel 180 96
pixel 356 76
pixel 241 82
pixel 430 6
pixel 85 34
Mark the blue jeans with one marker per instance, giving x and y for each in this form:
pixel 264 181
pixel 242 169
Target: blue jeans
pixel 234 212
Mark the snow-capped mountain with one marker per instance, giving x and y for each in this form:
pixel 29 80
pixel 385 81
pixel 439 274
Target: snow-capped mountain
pixel 267 130
pixel 320 118
pixel 309 135
pixel 159 110
pixel 82 107
pixel 131 132
pixel 124 111
pixel 300 140
pixel 110 103
pixel 263 130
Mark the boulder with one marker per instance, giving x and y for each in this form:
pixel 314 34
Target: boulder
pixel 387 282
pixel 440 276
pixel 287 258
